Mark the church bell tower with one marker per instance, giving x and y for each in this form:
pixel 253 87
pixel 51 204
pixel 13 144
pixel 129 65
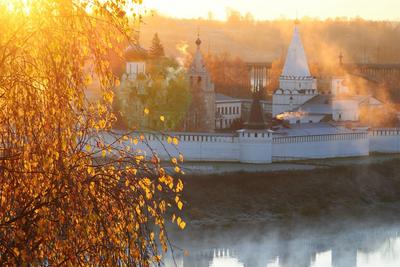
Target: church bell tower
pixel 201 115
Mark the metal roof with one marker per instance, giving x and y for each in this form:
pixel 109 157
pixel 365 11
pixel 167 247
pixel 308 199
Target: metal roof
pixel 303 129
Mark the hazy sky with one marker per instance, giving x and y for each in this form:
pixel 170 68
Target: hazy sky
pixel 268 9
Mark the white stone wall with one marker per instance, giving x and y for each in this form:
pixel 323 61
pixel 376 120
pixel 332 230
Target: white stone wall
pixel 248 146
pixel 385 140
pixel 255 147
pixel 320 146
pixel 252 147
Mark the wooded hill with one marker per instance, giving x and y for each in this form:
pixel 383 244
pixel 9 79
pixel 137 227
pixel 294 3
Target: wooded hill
pixel 359 40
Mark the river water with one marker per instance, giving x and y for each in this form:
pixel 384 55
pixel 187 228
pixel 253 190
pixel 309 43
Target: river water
pixel 360 243
pixel 351 218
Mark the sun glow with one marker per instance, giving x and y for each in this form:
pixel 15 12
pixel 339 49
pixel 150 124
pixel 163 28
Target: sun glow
pixel 23 5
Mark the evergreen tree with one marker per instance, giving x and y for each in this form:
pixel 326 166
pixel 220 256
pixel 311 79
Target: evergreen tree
pixel 156 49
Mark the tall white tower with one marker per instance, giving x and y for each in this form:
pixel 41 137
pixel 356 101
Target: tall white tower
pixel 296 85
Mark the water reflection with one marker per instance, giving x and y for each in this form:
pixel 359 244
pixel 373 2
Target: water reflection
pixel 315 246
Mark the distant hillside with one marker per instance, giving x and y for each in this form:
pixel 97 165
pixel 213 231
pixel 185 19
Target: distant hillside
pixel 359 40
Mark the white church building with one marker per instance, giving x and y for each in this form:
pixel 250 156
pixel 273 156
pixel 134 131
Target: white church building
pixel 298 100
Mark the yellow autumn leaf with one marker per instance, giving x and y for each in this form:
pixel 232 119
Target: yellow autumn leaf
pixel 135 141
pixel 162 118
pixel 169 140
pixel 103 153
pixel 16 251
pixel 91 186
pixel 182 225
pixel 175 141
pixel 146 111
pixel 180 205
pixel 108 97
pixel 90 170
pixel 177 169
pixel 88 147
pixel 102 124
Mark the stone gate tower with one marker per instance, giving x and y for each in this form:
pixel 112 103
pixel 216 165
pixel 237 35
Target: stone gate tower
pixel 201 115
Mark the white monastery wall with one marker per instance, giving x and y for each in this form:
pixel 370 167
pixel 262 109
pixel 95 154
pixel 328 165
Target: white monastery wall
pixel 320 146
pixel 252 147
pixel 255 147
pixel 261 147
pixel 385 140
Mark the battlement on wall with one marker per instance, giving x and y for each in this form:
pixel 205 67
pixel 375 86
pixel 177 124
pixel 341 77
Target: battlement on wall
pixel 319 138
pixel 262 146
pixel 384 131
pixel 191 137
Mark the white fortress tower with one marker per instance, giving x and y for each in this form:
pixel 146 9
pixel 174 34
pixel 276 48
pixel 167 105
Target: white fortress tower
pixel 296 85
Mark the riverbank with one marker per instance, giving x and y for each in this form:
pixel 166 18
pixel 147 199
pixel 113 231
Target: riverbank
pixel 336 187
pixel 207 168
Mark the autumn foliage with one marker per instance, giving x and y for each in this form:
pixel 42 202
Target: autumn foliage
pixel 70 193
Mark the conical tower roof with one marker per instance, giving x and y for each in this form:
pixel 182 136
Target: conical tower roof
pixel 296 64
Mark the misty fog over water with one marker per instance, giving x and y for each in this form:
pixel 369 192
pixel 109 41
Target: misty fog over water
pixel 366 243
pixel 346 214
